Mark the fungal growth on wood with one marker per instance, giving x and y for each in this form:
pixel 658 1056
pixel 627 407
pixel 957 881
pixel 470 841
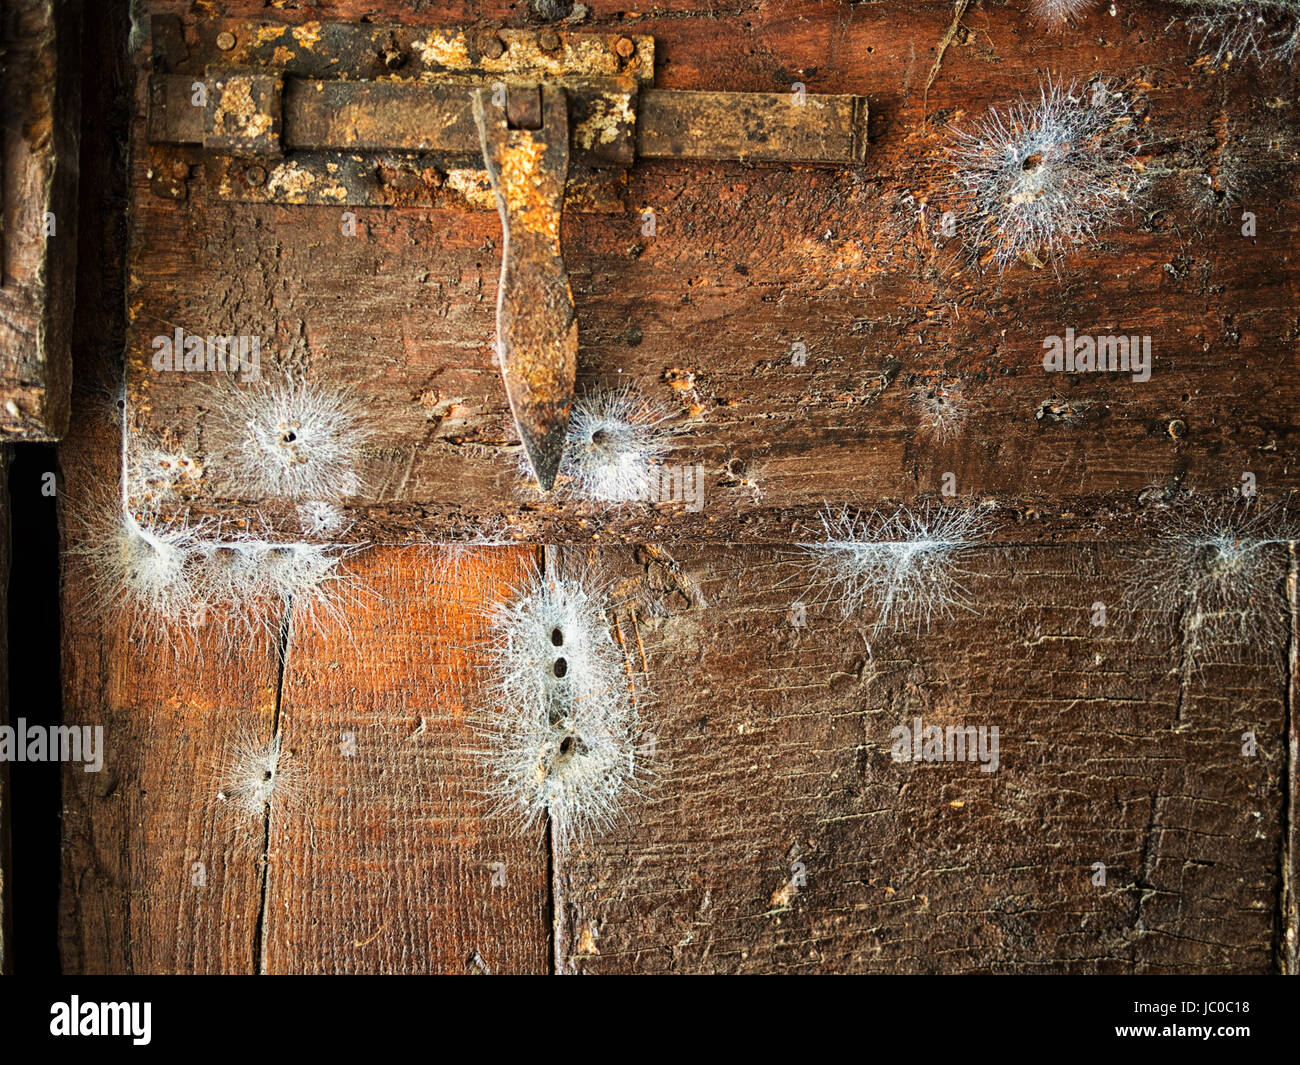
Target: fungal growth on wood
pixel 1218 575
pixel 170 579
pixel 905 569
pixel 253 774
pixel 1054 12
pixel 1259 30
pixel 1042 176
pixel 291 439
pixel 943 410
pixel 616 442
pixel 140 567
pixel 561 717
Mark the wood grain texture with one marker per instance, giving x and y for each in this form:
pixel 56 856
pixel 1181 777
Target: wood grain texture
pixel 774 748
pixel 772 741
pixel 159 875
pixel 381 861
pixel 40 115
pixel 6 881
pixel 748 261
pixel 388 861
pixel 1290 863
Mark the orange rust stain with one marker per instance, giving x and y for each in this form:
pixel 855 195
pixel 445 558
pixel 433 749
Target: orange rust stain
pixel 522 185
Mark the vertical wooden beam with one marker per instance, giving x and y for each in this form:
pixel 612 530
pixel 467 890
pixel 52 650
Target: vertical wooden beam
pixel 1289 946
pixel 39 115
pixel 6 918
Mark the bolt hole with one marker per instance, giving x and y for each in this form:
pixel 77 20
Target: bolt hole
pixel 557 638
pixel 266 775
pixel 288 436
pixel 561 667
pixel 566 745
pixel 1031 161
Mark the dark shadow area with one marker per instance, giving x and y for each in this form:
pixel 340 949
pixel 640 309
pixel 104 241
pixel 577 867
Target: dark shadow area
pixel 35 700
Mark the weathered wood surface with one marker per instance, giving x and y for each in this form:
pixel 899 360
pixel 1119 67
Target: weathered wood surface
pixel 158 875
pixel 379 860
pixel 40 109
pixel 772 749
pixel 389 862
pixel 746 262
pixel 6 883
pixel 774 764
pixel 1291 845
pixel 772 741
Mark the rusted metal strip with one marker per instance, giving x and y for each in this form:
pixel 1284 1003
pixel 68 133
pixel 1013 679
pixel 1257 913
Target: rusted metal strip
pixel 752 127
pixel 537 329
pixel 610 121
pixel 437 117
pixel 363 51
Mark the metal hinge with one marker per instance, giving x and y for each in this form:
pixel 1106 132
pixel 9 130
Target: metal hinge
pixel 530 122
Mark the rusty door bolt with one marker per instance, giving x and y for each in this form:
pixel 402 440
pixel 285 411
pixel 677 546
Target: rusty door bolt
pixel 548 40
pixel 255 175
pixel 625 47
pixel 225 40
pixel 1177 429
pixel 493 47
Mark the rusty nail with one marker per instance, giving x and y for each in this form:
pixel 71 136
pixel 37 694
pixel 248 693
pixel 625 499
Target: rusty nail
pixel 225 40
pixel 493 48
pixel 255 175
pixel 180 169
pixel 1177 429
pixel 625 47
pixel 548 40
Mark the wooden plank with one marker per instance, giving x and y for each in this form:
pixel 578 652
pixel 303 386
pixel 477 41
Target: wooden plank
pixel 772 740
pixel 745 264
pixel 1290 940
pixel 40 115
pixel 6 886
pixel 389 864
pixel 159 875
pixel 165 873
pixel 782 836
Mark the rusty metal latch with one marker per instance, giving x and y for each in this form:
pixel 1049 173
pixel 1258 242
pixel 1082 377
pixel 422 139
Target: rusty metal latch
pixel 537 330
pixel 528 121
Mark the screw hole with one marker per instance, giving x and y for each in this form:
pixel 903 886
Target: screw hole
pixel 566 745
pixel 561 667
pixel 1031 161
pixel 557 638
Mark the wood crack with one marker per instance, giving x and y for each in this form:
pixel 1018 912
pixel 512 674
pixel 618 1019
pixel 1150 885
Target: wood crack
pixel 259 927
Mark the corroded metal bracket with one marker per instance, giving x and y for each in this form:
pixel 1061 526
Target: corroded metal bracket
pixel 361 114
pixel 530 122
pixel 537 330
